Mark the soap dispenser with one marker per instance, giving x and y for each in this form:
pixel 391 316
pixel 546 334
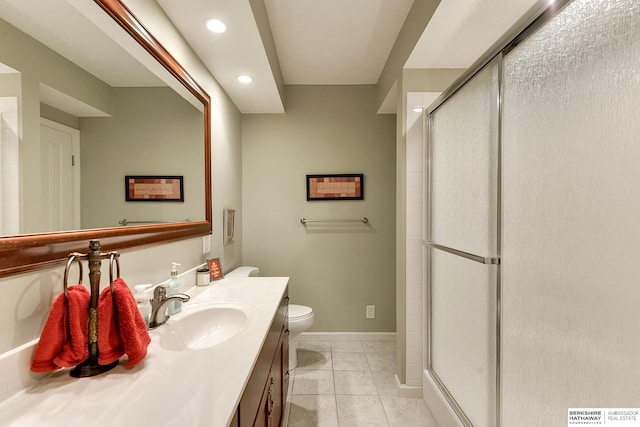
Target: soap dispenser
pixel 173 288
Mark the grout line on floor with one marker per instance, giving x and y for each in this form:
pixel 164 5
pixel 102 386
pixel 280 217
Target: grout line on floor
pixel 328 347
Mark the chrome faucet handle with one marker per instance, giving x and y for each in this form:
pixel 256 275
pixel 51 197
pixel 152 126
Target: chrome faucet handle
pixel 159 293
pixel 159 302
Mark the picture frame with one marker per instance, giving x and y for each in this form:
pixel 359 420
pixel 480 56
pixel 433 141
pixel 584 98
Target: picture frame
pixel 215 269
pixel 154 188
pixel 346 186
pixel 228 225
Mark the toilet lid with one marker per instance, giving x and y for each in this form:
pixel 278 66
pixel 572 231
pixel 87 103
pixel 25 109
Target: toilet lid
pixel 299 310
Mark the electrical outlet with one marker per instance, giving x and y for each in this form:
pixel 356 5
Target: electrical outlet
pixel 206 244
pixel 371 312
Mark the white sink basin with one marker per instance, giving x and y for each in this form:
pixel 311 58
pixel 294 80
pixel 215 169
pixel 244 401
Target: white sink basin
pixel 206 324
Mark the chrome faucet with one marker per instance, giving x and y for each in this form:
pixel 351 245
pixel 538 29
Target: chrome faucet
pixel 159 303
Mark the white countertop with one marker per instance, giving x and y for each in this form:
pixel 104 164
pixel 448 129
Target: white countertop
pixel 169 388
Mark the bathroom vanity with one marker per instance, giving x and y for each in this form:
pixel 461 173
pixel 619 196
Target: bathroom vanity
pixel 264 398
pixel 238 377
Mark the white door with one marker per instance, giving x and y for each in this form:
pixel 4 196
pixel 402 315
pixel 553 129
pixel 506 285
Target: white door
pixel 60 146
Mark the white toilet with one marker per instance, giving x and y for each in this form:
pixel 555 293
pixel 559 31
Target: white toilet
pixel 244 271
pixel 300 316
pixel 300 319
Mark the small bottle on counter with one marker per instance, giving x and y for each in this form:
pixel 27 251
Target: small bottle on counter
pixel 174 287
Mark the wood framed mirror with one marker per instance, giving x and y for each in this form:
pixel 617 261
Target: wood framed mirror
pixel 21 253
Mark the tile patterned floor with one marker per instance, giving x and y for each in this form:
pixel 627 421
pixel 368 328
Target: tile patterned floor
pixel 350 384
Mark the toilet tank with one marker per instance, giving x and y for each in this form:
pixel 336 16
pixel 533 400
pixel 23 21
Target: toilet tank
pixel 244 271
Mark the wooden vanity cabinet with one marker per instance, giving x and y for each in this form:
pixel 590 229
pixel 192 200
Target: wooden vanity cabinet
pixel 263 401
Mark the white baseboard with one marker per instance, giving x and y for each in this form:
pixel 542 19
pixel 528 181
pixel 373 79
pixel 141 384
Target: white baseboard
pixel 408 390
pixel 437 403
pixel 346 336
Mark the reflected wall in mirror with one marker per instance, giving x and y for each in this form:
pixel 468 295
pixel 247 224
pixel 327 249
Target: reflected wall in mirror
pixel 79 111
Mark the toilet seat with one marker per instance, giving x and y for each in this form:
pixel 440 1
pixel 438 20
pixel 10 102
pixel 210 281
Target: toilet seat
pixel 299 312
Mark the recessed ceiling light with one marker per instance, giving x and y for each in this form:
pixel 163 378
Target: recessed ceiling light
pixel 245 79
pixel 417 109
pixel 215 25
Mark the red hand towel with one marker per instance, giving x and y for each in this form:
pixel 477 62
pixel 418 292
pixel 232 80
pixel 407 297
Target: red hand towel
pixel 121 328
pixel 64 338
pixel 110 347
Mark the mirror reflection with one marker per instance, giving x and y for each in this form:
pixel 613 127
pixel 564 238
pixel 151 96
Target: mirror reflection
pixel 73 127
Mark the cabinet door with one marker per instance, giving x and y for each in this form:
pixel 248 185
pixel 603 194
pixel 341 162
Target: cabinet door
pixel 264 410
pixel 270 411
pixel 262 403
pixel 236 420
pixel 274 408
pixel 285 366
pixel 283 347
pixel 278 383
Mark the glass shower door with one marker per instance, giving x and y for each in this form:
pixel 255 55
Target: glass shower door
pixel 463 255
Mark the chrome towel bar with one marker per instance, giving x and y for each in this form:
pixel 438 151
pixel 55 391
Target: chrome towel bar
pixel 305 221
pixel 129 222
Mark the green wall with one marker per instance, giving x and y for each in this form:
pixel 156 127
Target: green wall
pixel 153 131
pixel 337 269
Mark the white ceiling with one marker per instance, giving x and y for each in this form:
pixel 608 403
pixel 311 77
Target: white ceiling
pixel 333 42
pixel 317 41
pixel 238 51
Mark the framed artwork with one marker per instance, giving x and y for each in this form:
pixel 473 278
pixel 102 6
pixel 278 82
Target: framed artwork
pixel 215 269
pixel 335 187
pixel 139 188
pixel 228 223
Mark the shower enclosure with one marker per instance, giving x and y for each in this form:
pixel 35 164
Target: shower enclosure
pixel 532 159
